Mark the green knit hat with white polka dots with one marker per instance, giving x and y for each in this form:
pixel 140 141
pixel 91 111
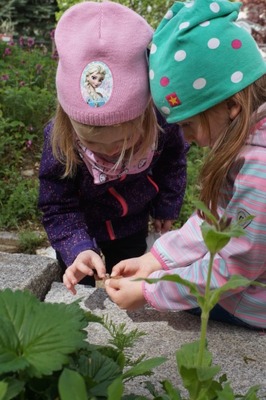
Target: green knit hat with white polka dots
pixel 200 56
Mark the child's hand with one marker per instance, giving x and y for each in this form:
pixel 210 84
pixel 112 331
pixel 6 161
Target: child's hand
pixel 138 267
pixel 86 263
pixel 162 226
pixel 125 293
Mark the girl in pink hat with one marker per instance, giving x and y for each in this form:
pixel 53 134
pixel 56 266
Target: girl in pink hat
pixel 106 169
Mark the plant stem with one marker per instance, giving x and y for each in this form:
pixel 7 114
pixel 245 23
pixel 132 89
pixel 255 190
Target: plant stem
pixel 205 312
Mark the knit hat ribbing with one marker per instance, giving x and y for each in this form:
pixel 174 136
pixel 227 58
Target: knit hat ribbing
pixel 109 41
pixel 200 57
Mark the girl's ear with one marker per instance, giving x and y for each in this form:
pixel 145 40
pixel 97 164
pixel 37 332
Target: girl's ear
pixel 234 108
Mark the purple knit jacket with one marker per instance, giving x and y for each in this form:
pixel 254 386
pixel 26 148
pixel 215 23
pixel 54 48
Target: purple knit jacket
pixel 77 214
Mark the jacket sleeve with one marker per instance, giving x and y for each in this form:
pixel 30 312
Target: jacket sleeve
pixel 169 172
pixel 59 202
pixel 183 251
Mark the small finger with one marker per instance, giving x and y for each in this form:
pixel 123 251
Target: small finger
pixel 69 285
pixel 112 283
pixel 99 267
pixel 70 277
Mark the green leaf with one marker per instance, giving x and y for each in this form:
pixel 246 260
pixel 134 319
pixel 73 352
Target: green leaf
pixel 226 393
pixel 177 279
pixel 72 386
pixel 252 393
pixel 3 389
pixel 36 336
pixel 235 281
pixel 171 391
pixel 201 206
pixel 90 317
pixel 14 388
pixel 207 373
pixel 194 378
pixel 174 278
pixel 187 355
pixel 115 390
pixel 9 346
pixel 144 367
pixel 214 239
pixel 100 372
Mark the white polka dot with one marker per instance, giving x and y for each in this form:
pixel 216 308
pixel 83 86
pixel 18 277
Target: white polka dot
pixel 206 23
pixel 151 73
pixel 180 55
pixel 184 25
pixel 213 43
pixel 215 7
pixel 165 110
pixel 237 77
pixel 199 83
pixel 153 48
pixel 169 14
pixel 189 4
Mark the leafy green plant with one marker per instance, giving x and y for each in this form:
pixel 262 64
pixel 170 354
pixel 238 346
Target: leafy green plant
pixel 27 101
pixel 29 241
pixel 44 353
pixel 31 18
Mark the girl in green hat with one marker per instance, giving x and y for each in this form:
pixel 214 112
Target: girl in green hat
pixel 208 75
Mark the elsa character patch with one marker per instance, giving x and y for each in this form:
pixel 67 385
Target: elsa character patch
pixel 96 84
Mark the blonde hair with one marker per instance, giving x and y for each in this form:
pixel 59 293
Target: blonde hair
pixel 95 69
pixel 227 148
pixel 64 138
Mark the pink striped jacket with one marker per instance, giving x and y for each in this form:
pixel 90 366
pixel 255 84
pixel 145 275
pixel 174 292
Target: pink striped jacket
pixel 183 251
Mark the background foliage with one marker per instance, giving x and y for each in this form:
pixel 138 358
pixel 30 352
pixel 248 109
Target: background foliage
pixel 27 99
pixel 151 10
pixel 31 18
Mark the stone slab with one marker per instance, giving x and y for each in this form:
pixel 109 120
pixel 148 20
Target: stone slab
pixel 241 353
pixel 25 271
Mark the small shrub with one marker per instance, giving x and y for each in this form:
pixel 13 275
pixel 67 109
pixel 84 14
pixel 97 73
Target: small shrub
pixel 18 201
pixel 30 241
pixel 27 101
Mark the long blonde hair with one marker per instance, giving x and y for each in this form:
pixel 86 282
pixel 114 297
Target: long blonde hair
pixel 64 139
pixel 226 149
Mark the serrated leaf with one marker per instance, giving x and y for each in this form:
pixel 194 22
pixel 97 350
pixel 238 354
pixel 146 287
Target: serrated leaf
pixel 72 386
pixel 37 336
pixel 9 347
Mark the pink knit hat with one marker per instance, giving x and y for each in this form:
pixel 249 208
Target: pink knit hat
pixel 102 74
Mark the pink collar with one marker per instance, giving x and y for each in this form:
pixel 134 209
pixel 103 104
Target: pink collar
pixel 103 170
